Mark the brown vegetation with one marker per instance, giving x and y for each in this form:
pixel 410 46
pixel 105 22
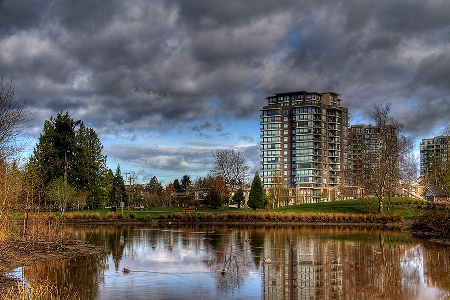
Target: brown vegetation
pixel 288 217
pixel 35 239
pixel 435 222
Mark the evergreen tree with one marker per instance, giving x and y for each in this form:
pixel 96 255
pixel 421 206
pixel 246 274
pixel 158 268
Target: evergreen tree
pixel 154 187
pixel 185 183
pixel 256 196
pixel 55 148
pixel 89 166
pixel 238 198
pixel 68 149
pixel 177 186
pixel 214 198
pixel 108 183
pixel 118 193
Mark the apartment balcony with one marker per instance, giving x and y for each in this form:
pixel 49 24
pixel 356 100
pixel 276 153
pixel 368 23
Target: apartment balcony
pixel 277 144
pixel 269 122
pixel 334 181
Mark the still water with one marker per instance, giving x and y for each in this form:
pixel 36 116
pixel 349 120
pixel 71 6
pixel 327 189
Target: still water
pixel 229 262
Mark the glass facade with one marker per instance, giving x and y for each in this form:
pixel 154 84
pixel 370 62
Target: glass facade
pixel 308 129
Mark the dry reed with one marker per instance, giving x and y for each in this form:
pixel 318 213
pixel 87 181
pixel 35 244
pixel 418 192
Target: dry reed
pixel 287 217
pixel 36 291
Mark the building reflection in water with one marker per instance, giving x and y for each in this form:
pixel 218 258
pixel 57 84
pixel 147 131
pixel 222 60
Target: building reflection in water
pixel 252 262
pixel 376 266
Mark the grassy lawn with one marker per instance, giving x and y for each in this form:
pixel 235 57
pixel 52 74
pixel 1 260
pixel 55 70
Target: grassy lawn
pixel 406 207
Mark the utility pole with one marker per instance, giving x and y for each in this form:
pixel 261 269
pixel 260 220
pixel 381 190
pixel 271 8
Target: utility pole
pixel 128 180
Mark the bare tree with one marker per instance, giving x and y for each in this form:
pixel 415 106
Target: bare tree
pixel 13 117
pixel 10 186
pixel 446 130
pixel 380 160
pixel 230 164
pixel 278 192
pixel 407 163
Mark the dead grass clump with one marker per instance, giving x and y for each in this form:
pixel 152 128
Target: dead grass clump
pixel 114 216
pixel 208 217
pixel 178 216
pixel 191 217
pixel 81 216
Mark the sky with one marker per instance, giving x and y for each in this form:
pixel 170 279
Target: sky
pixel 167 83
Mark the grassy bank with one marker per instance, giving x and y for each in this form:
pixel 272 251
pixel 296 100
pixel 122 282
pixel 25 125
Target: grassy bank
pixel 348 211
pixel 405 207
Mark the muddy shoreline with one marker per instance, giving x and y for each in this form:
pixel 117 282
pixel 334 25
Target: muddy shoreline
pixel 18 253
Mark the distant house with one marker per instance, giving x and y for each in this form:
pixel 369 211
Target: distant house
pixel 434 194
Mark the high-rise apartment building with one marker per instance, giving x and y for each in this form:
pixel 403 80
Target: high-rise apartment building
pixel 433 153
pixel 303 143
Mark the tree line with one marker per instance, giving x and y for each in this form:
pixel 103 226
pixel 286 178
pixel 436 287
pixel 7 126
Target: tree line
pixel 67 170
pixel 224 185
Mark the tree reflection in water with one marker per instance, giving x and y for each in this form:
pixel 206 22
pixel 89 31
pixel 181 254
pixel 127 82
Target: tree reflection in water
pixel 305 263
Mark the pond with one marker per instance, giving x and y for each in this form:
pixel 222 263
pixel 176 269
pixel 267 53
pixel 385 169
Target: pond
pixel 249 262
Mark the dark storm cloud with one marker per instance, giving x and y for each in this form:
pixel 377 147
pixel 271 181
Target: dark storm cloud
pixel 434 71
pixel 128 68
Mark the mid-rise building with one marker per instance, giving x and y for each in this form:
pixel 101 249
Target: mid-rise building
pixel 433 153
pixel 369 147
pixel 303 142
